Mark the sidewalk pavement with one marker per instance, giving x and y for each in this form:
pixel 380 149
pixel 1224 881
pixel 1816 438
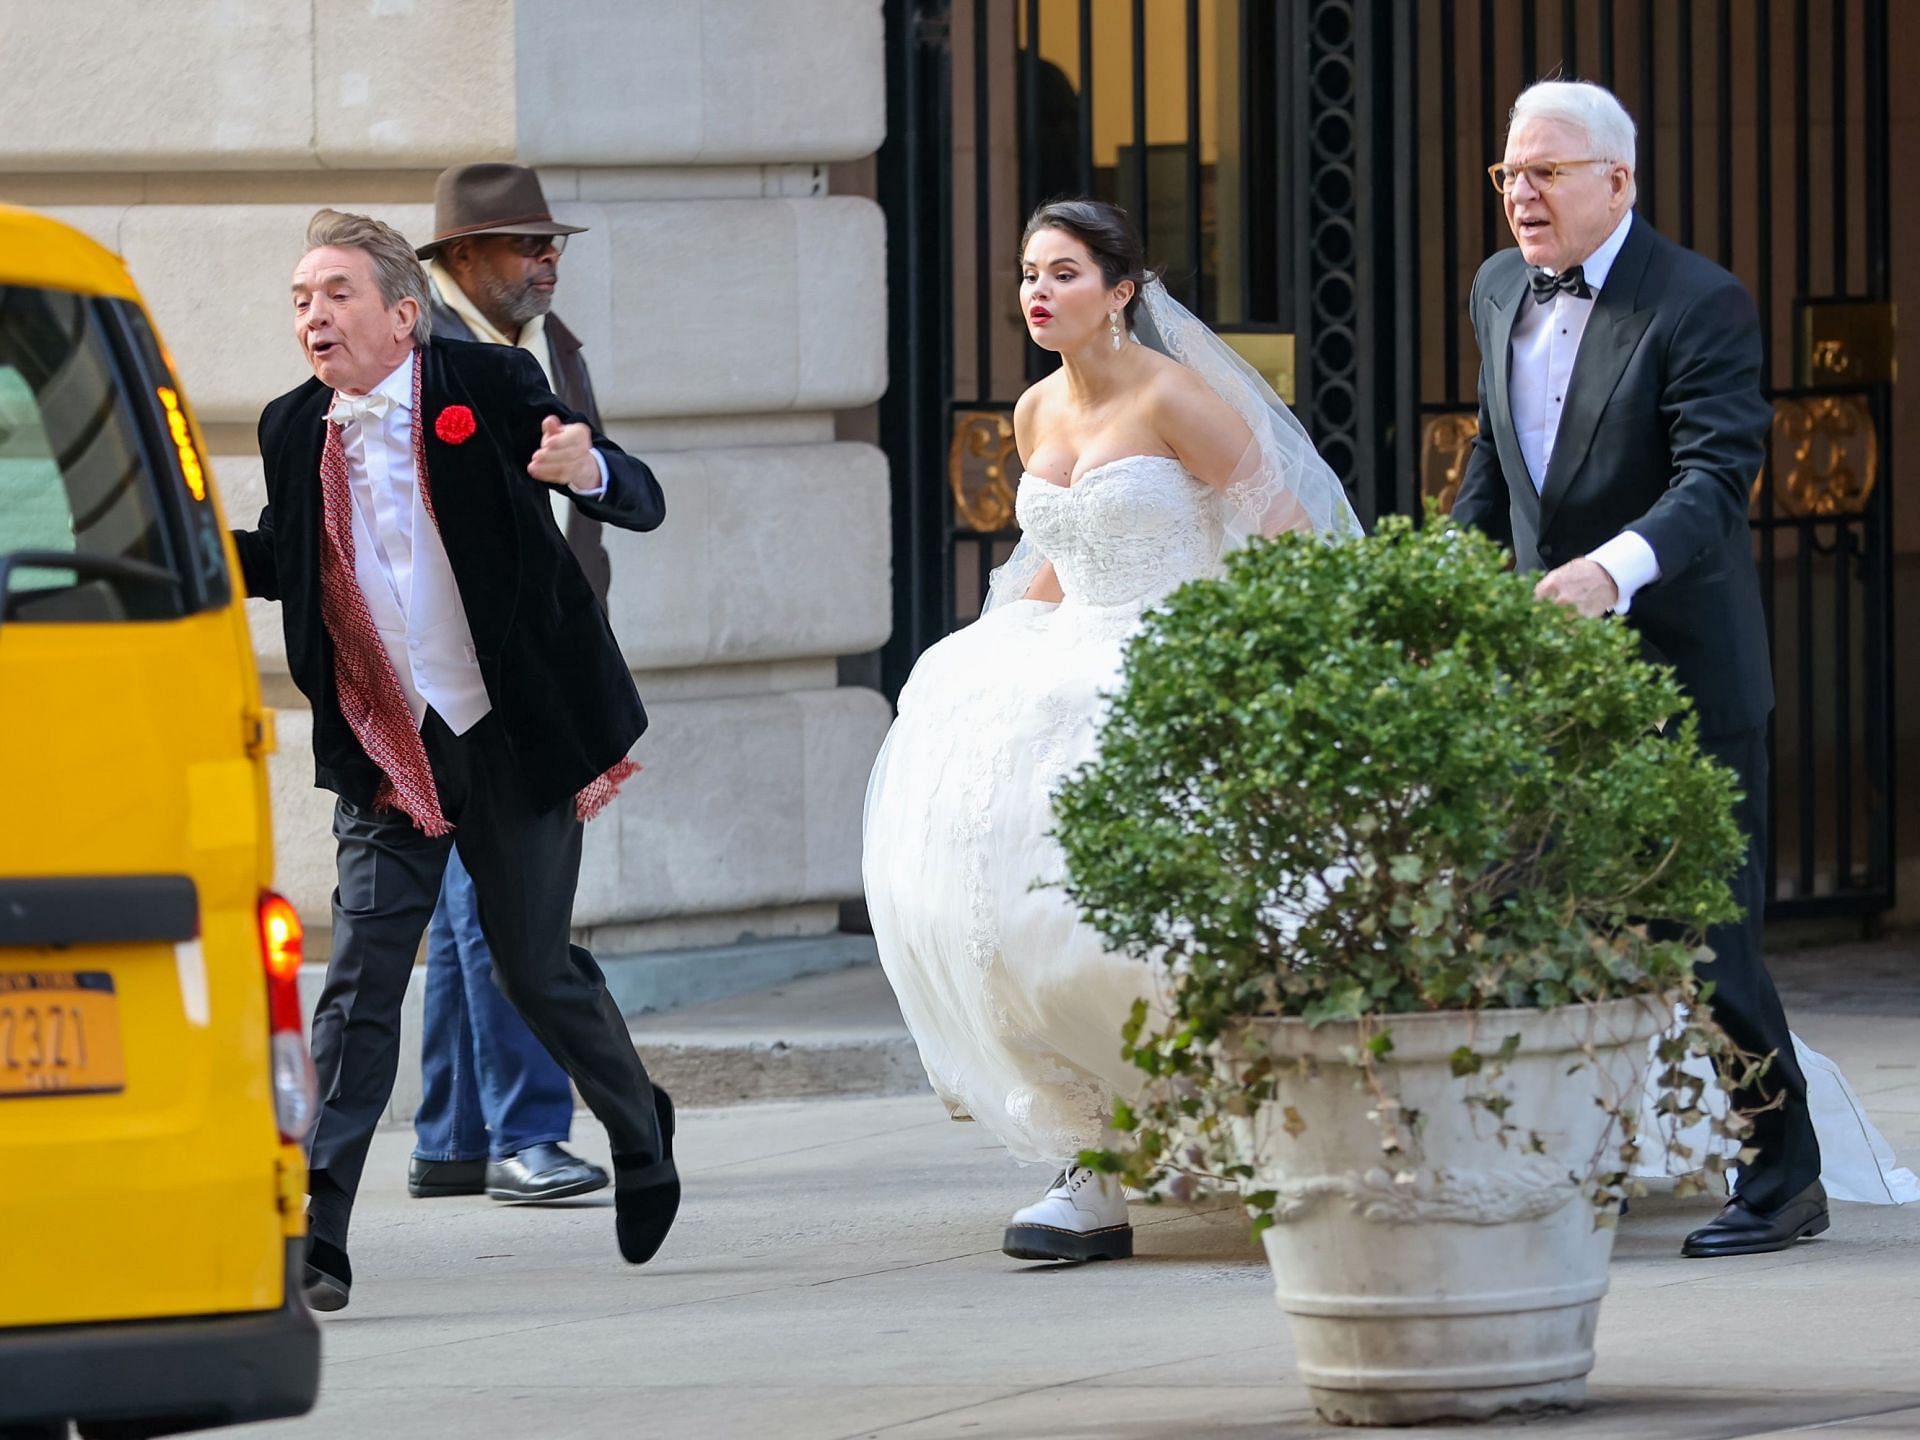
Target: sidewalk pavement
pixel 838 1034
pixel 836 1274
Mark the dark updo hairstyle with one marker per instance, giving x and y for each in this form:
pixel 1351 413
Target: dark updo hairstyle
pixel 1109 235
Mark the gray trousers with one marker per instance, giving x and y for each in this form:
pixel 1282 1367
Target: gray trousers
pixel 525 865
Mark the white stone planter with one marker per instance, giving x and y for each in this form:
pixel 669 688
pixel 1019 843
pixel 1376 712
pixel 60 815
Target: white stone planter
pixel 1473 1287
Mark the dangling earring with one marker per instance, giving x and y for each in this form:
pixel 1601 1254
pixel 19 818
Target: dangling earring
pixel 1113 327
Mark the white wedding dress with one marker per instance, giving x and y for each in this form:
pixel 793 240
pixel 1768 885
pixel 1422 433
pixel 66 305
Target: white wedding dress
pixel 1015 1003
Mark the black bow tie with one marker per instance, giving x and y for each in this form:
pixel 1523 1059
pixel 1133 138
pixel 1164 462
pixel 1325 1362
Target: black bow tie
pixel 1572 280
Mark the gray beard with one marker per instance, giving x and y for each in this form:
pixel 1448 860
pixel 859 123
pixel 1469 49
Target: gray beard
pixel 517 304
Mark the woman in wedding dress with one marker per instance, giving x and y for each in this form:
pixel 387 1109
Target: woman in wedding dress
pixel 1149 454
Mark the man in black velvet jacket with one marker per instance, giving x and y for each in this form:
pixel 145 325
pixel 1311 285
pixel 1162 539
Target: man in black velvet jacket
pixel 464 682
pixel 1621 425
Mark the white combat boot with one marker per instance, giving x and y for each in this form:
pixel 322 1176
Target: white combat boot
pixel 1083 1216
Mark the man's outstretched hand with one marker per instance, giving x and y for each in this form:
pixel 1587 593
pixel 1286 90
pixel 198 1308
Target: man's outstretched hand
pixel 565 456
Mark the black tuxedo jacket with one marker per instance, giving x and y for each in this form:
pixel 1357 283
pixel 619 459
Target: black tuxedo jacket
pixel 575 388
pixel 1664 430
pixel 561 690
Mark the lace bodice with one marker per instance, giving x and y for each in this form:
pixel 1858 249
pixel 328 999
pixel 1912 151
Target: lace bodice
pixel 1126 532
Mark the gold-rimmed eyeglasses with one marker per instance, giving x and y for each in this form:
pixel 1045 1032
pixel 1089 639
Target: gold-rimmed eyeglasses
pixel 1540 174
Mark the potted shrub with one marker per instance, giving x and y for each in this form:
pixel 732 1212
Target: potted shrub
pixel 1422 864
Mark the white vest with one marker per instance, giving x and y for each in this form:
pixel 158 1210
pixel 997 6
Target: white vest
pixel 429 641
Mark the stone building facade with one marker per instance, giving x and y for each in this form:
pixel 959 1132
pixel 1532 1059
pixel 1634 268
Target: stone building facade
pixel 730 307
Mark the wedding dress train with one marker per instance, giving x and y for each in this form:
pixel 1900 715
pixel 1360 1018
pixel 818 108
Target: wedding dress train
pixel 1856 1162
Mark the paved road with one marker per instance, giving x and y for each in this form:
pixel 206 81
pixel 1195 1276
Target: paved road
pixel 836 1275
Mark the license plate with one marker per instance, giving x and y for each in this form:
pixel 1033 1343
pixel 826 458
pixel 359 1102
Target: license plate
pixel 59 1034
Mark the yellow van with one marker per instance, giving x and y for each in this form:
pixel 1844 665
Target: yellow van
pixel 155 1086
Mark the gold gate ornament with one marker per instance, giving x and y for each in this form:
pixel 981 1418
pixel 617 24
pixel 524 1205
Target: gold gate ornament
pixel 1846 343
pixel 1826 456
pixel 983 493
pixel 1446 441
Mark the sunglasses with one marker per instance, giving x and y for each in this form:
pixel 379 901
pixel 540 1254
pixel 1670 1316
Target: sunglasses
pixel 533 246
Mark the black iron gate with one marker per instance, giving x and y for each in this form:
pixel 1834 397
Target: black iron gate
pixel 1307 175
pixel 1228 128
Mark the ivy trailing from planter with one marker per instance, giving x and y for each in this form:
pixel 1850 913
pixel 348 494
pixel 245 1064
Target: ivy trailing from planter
pixel 1348 782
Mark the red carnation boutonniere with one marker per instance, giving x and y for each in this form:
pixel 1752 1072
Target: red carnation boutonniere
pixel 454 424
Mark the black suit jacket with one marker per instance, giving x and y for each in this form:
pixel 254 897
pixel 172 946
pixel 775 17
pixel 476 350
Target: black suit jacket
pixel 560 688
pixel 574 386
pixel 1664 430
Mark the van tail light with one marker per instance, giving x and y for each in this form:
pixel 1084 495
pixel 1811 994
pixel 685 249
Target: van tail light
pixel 296 1094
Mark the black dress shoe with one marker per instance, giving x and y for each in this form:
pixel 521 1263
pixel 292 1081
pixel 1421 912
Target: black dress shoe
pixel 328 1276
pixel 646 1196
pixel 1739 1229
pixel 543 1172
pixel 431 1179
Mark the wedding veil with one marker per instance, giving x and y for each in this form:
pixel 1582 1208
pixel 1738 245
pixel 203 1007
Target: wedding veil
pixel 1281 483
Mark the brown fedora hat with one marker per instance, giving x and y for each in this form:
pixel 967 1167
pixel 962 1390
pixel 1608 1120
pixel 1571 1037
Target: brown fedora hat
pixel 490 199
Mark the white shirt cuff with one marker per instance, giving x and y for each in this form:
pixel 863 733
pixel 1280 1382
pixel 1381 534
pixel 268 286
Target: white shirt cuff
pixel 1630 561
pixel 600 490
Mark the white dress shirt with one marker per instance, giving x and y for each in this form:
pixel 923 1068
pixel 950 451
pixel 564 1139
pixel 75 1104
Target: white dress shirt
pixel 400 562
pixel 1546 341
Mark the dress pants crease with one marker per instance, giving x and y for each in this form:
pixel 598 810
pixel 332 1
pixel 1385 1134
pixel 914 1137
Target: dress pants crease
pixel 1747 1005
pixel 488 1089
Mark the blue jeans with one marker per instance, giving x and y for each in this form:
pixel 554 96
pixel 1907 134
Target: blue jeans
pixel 490 1088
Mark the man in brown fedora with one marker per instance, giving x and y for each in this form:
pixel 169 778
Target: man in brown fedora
pixel 496 1109
pixel 493 263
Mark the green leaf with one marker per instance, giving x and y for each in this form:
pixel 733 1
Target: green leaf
pixel 1348 1002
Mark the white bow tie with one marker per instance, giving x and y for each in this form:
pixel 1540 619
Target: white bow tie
pixel 357 409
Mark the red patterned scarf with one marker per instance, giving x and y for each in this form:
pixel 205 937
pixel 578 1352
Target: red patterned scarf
pixel 370 695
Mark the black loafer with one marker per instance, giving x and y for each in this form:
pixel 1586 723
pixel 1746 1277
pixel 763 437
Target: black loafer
pixel 1741 1230
pixel 328 1276
pixel 646 1196
pixel 432 1179
pixel 542 1172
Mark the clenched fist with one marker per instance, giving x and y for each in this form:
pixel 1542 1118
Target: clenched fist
pixel 565 456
